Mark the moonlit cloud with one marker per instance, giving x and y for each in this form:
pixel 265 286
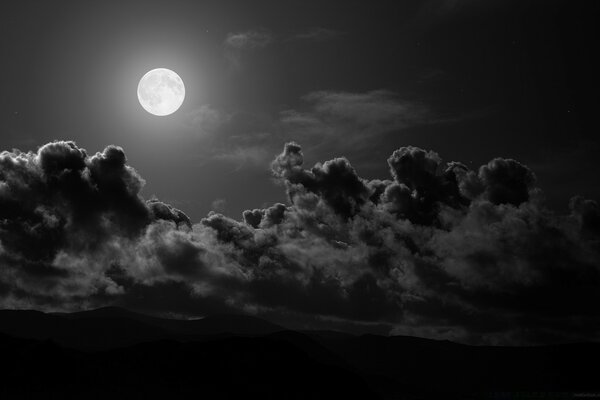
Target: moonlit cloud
pixel 351 120
pixel 243 156
pixel 434 248
pixel 206 120
pixel 324 121
pixel 380 106
pixel 251 39
pixel 238 43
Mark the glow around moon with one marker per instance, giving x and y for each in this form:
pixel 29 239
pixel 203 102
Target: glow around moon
pixel 161 91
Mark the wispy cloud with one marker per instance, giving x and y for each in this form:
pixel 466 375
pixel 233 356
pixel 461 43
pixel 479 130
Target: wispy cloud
pixel 316 33
pixel 242 156
pixel 351 119
pixel 251 39
pixel 375 107
pixel 219 205
pixel 324 120
pixel 237 43
pixel 207 119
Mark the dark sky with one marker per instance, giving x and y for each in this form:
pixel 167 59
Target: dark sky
pixel 468 80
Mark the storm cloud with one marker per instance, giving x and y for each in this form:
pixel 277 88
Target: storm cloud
pixel 434 248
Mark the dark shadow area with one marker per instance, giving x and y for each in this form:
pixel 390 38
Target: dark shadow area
pixel 115 353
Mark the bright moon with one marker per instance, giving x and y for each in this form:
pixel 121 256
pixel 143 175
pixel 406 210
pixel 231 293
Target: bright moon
pixel 161 91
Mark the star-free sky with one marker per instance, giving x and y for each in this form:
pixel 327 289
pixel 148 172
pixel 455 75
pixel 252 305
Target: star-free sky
pixel 426 221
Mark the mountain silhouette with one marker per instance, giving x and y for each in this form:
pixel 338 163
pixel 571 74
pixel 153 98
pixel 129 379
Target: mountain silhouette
pixel 110 327
pixel 113 352
pixel 218 324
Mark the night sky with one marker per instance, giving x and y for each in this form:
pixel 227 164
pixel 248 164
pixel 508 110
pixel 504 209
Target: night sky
pixel 398 167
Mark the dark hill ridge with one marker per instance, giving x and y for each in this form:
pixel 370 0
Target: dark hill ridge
pixel 236 324
pixel 110 327
pixel 233 356
pixel 80 333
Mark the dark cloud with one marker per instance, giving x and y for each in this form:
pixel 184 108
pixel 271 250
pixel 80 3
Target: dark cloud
pixel 587 214
pixel 506 181
pixel 435 249
pixel 335 181
pixel 159 210
pixel 253 217
pixel 274 215
pixel 60 207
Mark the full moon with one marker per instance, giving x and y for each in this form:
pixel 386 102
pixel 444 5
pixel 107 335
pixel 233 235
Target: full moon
pixel 161 91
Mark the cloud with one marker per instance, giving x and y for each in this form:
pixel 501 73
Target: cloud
pixel 335 182
pixel 375 107
pixel 206 120
pixel 238 43
pixel 59 204
pixel 317 34
pixel 351 119
pixel 219 205
pixel 326 122
pixel 434 249
pixel 258 38
pixel 251 39
pixel 242 156
pixel 235 137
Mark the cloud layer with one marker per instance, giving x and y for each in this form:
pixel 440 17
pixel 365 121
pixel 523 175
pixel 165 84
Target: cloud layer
pixel 434 249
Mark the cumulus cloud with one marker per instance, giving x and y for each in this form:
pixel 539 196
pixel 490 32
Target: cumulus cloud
pixel 434 249
pixel 59 206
